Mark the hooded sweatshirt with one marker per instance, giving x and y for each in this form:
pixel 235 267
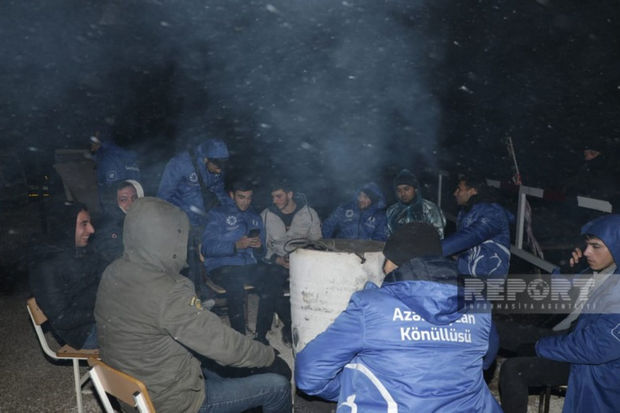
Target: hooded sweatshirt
pixel 64 278
pixel 404 347
pixel 148 316
pixel 348 221
pixel 593 347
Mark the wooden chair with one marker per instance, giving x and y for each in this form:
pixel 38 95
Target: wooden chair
pixel 65 352
pixel 126 388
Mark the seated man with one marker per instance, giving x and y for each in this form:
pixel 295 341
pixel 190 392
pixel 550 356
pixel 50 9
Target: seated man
pixel 406 346
pixel 150 322
pixel 65 274
pixel 411 206
pixel 232 243
pixel 482 238
pixel 590 343
pixel 360 218
pixel 289 218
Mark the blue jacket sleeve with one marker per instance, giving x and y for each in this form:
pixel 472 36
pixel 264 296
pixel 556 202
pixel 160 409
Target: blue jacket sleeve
pixel 380 233
pixel 596 343
pixel 214 243
pixel 319 365
pixel 169 181
pixel 331 223
pixel 480 230
pixel 488 358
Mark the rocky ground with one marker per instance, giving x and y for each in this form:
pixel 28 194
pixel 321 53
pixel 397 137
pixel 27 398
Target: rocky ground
pixel 31 383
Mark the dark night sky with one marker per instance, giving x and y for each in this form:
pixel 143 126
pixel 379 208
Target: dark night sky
pixel 330 93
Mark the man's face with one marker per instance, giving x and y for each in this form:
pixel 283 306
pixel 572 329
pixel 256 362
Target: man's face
pixel 125 197
pixel 281 199
pixel 242 199
pixel 405 193
pixel 462 193
pixel 212 167
pixel 83 229
pixel 597 254
pixel 363 201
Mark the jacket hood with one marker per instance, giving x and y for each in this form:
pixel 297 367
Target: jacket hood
pixel 607 228
pixel 155 235
pixel 108 196
pixel 212 148
pixel 374 193
pixel 428 286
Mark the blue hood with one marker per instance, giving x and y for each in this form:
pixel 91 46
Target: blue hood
pixel 428 286
pixel 374 192
pixel 607 228
pixel 212 148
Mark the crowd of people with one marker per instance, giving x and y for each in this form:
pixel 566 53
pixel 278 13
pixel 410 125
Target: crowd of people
pixel 135 286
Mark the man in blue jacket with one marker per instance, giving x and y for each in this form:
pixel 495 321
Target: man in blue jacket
pixel 361 218
pixel 591 345
pixel 194 181
pixel 232 244
pixel 482 239
pixel 407 346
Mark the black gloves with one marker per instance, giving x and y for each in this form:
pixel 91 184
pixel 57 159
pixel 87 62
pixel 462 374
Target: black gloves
pixel 278 366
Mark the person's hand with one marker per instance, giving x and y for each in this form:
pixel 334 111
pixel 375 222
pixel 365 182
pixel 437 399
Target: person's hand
pixel 283 262
pixel 243 242
pixel 255 242
pixel 576 256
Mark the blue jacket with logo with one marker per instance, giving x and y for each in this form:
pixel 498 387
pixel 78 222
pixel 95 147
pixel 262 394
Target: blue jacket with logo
pixel 115 164
pixel 593 347
pixel 348 221
pixel 225 225
pixel 482 240
pixel 180 186
pixel 404 347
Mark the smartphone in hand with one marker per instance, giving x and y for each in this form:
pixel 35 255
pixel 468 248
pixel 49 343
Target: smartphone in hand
pixel 255 232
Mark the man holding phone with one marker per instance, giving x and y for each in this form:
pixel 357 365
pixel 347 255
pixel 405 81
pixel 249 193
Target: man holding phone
pixel 232 243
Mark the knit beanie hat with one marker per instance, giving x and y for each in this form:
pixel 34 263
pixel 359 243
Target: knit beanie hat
pixel 405 177
pixel 416 239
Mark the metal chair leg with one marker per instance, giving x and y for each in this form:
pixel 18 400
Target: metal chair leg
pixel 78 384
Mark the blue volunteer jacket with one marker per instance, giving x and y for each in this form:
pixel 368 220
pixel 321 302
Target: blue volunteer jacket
pixel 225 225
pixel 180 186
pixel 482 240
pixel 349 222
pixel 115 164
pixel 404 347
pixel 593 347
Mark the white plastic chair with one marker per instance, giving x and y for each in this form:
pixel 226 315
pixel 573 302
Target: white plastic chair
pixel 65 352
pixel 128 389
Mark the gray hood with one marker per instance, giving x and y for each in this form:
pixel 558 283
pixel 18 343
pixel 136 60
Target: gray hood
pixel 161 247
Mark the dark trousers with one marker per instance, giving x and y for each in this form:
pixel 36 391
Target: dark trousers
pixel 194 270
pixel 276 278
pixel 518 374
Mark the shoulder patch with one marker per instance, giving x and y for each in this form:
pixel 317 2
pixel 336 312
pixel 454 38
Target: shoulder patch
pixel 616 332
pixel 195 302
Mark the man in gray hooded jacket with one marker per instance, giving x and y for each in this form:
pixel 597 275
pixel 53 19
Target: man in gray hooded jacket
pixel 149 318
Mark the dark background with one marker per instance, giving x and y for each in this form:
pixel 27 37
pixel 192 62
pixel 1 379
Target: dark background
pixel 330 94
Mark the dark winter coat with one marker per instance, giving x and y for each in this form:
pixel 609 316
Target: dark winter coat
pixel 404 347
pixel 180 185
pixel 64 279
pixel 593 347
pixel 348 221
pixel 482 240
pixel 225 225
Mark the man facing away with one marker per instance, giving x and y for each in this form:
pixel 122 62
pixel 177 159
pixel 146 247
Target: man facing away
pixel 150 321
pixel 361 218
pixel 289 218
pixel 590 340
pixel 232 244
pixel 194 181
pixel 482 238
pixel 65 274
pixel 411 206
pixel 406 346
